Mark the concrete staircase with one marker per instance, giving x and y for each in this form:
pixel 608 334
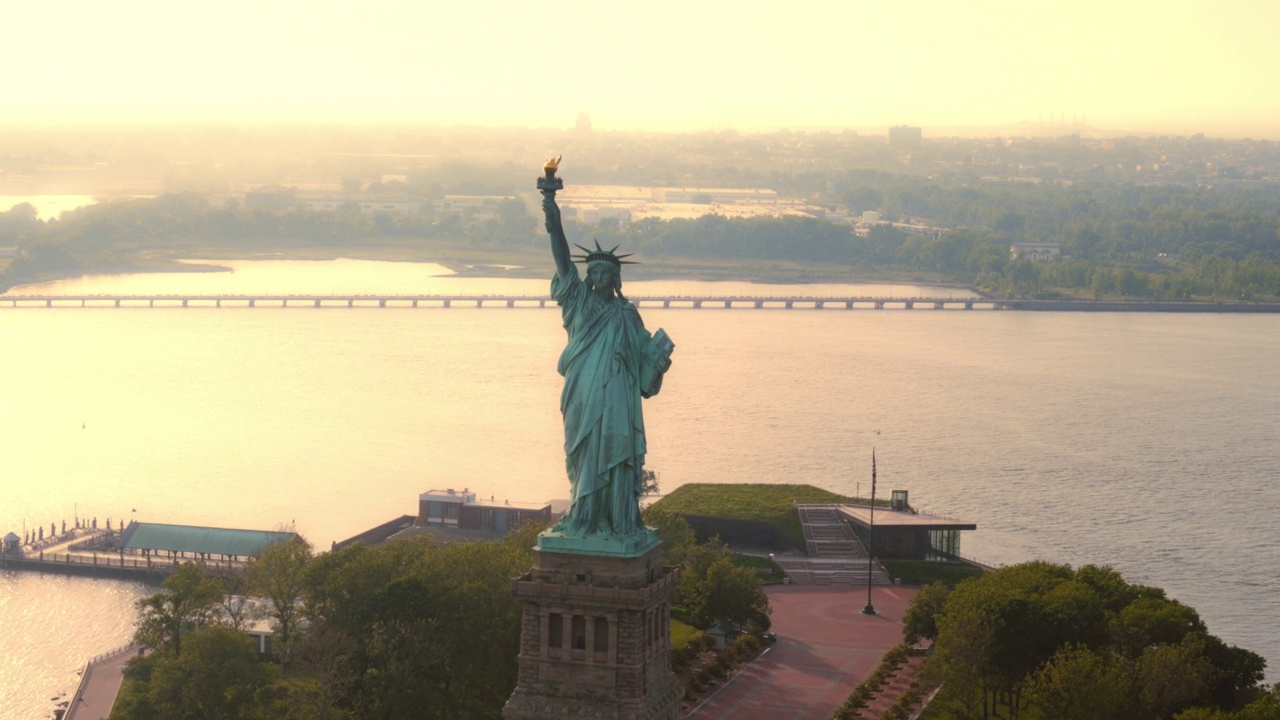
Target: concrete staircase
pixel 835 555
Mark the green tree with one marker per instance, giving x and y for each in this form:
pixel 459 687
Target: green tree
pixel 678 539
pixel 1079 683
pixel 277 574
pixel 218 676
pixel 416 625
pixel 714 590
pixel 731 594
pixel 186 602
pixel 1152 620
pixel 324 670
pixel 921 618
pixel 1173 677
pixel 525 535
pixel 236 609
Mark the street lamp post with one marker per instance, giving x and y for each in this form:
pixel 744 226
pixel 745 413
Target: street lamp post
pixel 870 609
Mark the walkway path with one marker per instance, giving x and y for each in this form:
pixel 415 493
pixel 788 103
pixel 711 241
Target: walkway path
pixel 99 687
pixel 825 647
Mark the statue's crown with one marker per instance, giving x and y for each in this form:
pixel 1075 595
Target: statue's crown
pixel 600 253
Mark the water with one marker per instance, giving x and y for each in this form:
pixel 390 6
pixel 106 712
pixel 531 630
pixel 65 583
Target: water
pixel 48 207
pixel 1142 441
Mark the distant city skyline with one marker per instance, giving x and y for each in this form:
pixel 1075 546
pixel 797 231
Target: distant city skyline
pixel 1143 66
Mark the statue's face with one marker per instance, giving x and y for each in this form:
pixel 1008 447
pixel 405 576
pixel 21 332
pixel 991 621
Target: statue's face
pixel 602 275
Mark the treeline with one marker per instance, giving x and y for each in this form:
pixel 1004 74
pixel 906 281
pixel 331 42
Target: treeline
pixel 371 632
pixel 1093 221
pixel 1116 239
pixel 408 629
pixel 117 236
pixel 1044 642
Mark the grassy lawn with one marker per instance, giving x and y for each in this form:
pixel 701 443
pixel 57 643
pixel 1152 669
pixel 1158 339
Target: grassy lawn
pixel 681 634
pixel 919 572
pixel 768 570
pixel 771 504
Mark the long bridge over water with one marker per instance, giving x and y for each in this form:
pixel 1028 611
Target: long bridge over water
pixel 478 301
pixel 672 301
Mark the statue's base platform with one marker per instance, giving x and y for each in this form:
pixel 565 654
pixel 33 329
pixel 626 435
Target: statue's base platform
pixel 596 631
pixel 619 546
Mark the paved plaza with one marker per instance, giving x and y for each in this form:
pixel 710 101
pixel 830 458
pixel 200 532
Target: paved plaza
pixel 825 647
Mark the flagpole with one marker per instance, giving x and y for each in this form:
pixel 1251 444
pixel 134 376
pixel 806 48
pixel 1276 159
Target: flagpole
pixel 871 537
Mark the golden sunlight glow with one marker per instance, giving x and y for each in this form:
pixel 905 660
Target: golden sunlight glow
pixel 1195 65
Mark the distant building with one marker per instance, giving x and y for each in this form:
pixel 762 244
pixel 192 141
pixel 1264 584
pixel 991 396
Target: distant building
pixel 461 509
pixel 1034 251
pixel 330 202
pixel 905 137
pixel 593 215
pixel 270 199
pixel 464 202
pixel 714 195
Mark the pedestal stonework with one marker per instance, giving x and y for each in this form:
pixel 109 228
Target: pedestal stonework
pixel 595 639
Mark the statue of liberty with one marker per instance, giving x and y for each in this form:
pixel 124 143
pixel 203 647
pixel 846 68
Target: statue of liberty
pixel 609 364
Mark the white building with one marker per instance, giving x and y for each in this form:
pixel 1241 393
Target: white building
pixel 1034 251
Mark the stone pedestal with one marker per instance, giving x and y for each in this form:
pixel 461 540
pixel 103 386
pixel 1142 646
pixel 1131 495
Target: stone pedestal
pixel 596 638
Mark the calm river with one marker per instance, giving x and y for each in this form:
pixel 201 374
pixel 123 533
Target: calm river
pixel 1143 441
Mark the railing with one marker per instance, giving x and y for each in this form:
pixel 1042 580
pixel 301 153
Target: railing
pixel 96 538
pixel 486 300
pixel 111 653
pixel 49 540
pixel 975 561
pixel 87 672
pixel 948 518
pixel 118 560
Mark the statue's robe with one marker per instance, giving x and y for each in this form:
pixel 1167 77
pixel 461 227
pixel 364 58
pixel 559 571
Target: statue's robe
pixel 604 442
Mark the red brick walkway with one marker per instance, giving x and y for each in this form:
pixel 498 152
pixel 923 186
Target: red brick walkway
pixel 825 647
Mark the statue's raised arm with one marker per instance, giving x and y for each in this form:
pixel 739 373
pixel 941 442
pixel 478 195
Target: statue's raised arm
pixel 549 184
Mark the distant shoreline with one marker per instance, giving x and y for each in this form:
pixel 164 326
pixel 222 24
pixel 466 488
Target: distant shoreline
pixel 524 267
pixel 527 266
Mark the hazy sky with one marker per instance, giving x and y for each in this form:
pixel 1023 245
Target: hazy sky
pixel 1211 65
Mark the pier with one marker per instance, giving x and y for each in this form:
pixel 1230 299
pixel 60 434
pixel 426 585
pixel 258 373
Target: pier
pixel 720 302
pixel 141 551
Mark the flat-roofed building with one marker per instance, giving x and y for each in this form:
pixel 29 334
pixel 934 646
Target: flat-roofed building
pixel 715 195
pixel 330 202
pixel 463 510
pixel 904 532
pixel 1034 251
pixel 199 542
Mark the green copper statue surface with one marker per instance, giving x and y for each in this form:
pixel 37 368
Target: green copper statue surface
pixel 609 364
